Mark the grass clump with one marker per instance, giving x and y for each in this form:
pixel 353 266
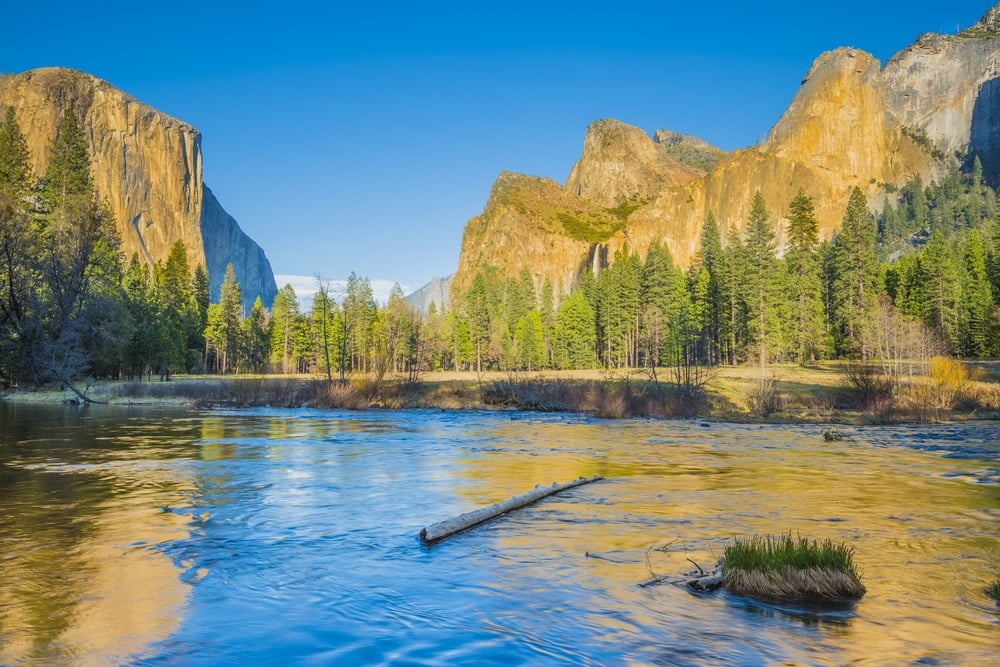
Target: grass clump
pixel 783 567
pixel 993 590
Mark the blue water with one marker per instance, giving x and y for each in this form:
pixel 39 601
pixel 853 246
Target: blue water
pixel 290 537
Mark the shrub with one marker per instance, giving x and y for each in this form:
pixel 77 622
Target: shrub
pixel 869 390
pixel 764 398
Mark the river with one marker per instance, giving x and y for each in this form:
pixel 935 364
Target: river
pixel 157 537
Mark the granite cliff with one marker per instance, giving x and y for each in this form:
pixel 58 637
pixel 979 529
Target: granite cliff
pixel 149 168
pixel 852 123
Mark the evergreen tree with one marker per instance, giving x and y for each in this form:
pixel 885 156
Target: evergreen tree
pixel 15 169
pixel 617 309
pixel 547 312
pixel 326 334
pixel 223 332
pixel 359 310
pixel 478 315
pixel 855 274
pixel 68 174
pixel 576 334
pixel 18 250
pixel 284 314
pixel 663 297
pixel 201 294
pixel 144 319
pixel 978 303
pixel 530 342
pixel 708 291
pixel 255 334
pixel 736 323
pixel 78 263
pixel 805 288
pixel 760 278
pixel 943 288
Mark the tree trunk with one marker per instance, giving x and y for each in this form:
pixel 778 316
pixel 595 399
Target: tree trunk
pixel 444 529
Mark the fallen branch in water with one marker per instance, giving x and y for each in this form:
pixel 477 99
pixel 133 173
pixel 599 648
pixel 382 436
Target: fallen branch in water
pixel 444 529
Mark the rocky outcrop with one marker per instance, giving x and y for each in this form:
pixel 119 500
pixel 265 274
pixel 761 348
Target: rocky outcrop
pixel 437 291
pixel 852 123
pixel 947 88
pixel 620 163
pixel 226 243
pixel 147 165
pixel 521 227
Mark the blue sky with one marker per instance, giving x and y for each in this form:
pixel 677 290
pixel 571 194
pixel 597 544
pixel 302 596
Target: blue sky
pixel 362 136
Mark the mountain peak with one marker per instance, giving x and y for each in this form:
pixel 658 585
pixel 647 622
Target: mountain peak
pixel 988 26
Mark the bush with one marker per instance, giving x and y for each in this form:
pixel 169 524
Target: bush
pixel 869 390
pixel 764 398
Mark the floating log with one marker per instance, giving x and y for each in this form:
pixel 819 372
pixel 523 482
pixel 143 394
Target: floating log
pixel 443 529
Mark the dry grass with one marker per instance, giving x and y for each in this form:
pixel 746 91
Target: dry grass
pixel 794 584
pixel 814 394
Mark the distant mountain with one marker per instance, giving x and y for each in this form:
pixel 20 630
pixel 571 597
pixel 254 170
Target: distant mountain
pixel 437 291
pixel 148 166
pixel 852 123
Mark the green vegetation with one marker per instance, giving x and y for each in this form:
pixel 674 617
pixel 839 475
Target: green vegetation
pixel 888 294
pixel 993 590
pixel 919 136
pixel 597 225
pixel 786 567
pixel 699 156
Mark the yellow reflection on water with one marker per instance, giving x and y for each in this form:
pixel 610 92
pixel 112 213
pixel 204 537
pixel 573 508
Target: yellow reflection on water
pixel 93 590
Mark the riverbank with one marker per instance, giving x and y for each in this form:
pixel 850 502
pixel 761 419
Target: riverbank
pixel 822 393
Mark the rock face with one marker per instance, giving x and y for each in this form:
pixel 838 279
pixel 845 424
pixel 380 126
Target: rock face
pixel 149 168
pixel 437 291
pixel 620 162
pixel 852 123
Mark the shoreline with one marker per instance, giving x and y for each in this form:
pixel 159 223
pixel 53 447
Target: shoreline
pixel 811 395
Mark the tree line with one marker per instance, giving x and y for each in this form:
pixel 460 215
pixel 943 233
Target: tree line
pixel 921 277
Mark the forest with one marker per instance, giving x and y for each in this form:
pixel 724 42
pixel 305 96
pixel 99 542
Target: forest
pixel 919 278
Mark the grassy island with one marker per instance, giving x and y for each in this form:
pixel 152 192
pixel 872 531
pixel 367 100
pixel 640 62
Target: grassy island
pixel 783 567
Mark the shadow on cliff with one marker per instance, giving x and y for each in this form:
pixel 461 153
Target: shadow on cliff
pixel 984 139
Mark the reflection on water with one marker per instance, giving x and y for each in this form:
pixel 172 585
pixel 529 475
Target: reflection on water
pixel 290 536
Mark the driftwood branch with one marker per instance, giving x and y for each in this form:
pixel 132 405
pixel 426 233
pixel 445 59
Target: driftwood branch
pixel 444 529
pixel 82 397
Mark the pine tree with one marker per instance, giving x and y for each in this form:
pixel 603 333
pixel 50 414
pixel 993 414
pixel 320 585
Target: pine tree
pixel 18 250
pixel 709 297
pixel 530 344
pixel 855 274
pixel 15 169
pixel 663 299
pixel 284 314
pixel 255 333
pixel 978 301
pixel 943 288
pixel 547 311
pixel 324 326
pixel 760 276
pixel 78 264
pixel 736 320
pixel 68 174
pixel 478 316
pixel 223 332
pixel 576 335
pixel 803 268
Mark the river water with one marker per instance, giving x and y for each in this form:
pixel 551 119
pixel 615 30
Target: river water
pixel 150 537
